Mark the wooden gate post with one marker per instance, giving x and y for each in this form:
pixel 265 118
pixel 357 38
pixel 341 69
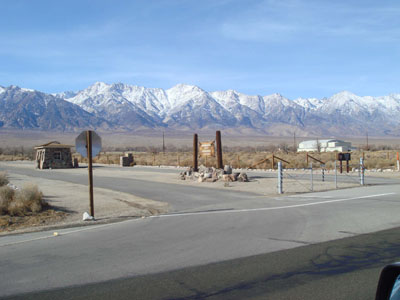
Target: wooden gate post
pixel 219 150
pixel 195 153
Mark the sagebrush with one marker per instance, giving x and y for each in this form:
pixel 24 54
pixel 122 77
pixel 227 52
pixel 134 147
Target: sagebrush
pixel 21 202
pixel 3 178
pixel 249 159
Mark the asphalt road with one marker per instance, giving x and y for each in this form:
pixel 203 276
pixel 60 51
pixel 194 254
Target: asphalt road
pixel 342 269
pixel 180 197
pixel 232 246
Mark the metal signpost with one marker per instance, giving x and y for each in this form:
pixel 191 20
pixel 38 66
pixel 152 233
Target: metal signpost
pixel 280 176
pixel 88 144
pixel 335 174
pixel 361 170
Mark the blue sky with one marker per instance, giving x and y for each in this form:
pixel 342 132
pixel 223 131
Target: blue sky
pixel 299 48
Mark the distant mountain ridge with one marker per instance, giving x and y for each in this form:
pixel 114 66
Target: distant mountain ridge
pixel 29 109
pixel 187 107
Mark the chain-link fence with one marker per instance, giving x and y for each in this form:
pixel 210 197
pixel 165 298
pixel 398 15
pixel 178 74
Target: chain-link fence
pixel 318 178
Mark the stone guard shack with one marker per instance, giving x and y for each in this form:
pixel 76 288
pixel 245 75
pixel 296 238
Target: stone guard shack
pixel 53 155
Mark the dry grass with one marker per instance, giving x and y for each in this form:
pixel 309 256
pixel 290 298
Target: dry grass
pixel 384 159
pixel 11 157
pixel 243 156
pixel 3 178
pixel 21 202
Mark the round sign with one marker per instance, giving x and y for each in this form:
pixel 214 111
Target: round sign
pixel 81 144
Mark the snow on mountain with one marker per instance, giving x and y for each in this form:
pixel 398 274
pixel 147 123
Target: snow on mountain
pixel 248 110
pixel 190 107
pixel 195 108
pixel 120 104
pixel 281 109
pixel 345 102
pixel 28 109
pixel 182 93
pixel 231 98
pixel 65 95
pixel 152 100
pixel 309 104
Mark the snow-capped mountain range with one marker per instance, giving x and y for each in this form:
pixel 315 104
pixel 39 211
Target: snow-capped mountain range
pixel 187 107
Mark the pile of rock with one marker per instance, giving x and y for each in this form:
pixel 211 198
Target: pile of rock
pixel 212 174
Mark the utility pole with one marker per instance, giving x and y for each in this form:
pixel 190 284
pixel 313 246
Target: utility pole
pixel 163 143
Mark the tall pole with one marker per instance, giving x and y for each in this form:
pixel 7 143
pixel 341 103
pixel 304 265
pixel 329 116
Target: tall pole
pixel 195 153
pixel 311 177
pixel 89 155
pixel 219 150
pixel 163 143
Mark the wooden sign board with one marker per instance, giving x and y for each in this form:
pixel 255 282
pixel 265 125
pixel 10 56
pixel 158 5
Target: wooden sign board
pixel 207 148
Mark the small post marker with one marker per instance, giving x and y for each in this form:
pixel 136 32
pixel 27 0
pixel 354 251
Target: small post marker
pixel 280 183
pixel 361 171
pixel 311 177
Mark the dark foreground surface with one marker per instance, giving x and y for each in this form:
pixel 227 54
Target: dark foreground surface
pixel 348 268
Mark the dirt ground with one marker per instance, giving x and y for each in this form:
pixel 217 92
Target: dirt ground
pixel 66 208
